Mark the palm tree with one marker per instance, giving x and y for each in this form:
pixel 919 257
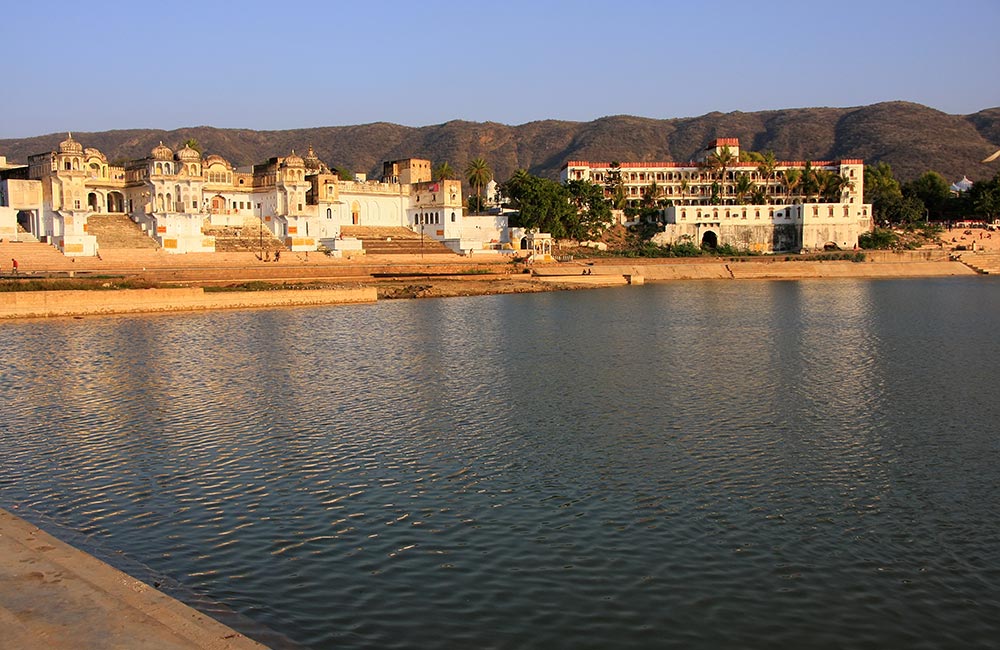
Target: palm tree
pixel 840 185
pixel 810 181
pixel 792 179
pixel 192 143
pixel 744 188
pixel 827 185
pixel 478 173
pixel 767 165
pixel 721 160
pixel 444 172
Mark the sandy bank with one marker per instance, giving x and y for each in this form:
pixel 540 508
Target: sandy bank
pixel 35 304
pixel 429 281
pixel 55 597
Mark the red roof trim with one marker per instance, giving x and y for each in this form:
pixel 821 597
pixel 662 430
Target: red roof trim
pixel 675 165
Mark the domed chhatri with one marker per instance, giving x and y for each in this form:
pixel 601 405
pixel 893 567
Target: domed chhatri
pixel 90 152
pixel 187 154
pixel 214 159
pixel 162 152
pixel 69 145
pixel 293 160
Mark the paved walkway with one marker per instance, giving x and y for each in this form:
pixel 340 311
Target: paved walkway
pixel 54 597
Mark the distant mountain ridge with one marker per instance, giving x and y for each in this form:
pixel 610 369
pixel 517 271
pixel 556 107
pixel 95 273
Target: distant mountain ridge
pixel 911 137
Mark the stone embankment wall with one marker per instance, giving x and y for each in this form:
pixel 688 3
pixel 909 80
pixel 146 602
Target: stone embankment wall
pixel 657 271
pixel 37 304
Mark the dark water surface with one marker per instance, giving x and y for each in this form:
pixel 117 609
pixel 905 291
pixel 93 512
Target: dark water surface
pixel 693 465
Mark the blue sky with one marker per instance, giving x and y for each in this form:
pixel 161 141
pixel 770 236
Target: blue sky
pixel 91 66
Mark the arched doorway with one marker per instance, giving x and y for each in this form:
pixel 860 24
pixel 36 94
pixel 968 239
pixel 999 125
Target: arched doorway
pixel 92 202
pixel 218 204
pixel 709 240
pixel 355 213
pixel 25 219
pixel 116 202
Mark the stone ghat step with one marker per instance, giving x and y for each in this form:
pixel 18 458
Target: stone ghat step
pixel 118 231
pixel 234 245
pixel 252 237
pixel 24 236
pixel 377 232
pixel 395 241
pixel 986 263
pixel 402 243
pixel 33 256
pixel 434 248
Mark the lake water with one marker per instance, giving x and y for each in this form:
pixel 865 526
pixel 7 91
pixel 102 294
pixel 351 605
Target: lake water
pixel 691 465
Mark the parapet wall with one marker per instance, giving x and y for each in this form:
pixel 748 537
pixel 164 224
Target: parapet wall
pixel 40 304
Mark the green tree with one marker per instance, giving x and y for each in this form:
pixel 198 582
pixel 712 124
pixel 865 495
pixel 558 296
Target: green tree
pixel 766 166
pixel 882 190
pixel 878 238
pixel 445 172
pixel 615 186
pixel 839 184
pixel 720 160
pixel 478 173
pixel 792 180
pixel 744 188
pixel 931 189
pixel 810 184
pixel 593 210
pixel 191 142
pixel 649 206
pixel 344 173
pixel 985 197
pixel 828 185
pixel 541 204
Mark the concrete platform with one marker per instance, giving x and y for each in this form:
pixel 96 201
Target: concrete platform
pixel 55 597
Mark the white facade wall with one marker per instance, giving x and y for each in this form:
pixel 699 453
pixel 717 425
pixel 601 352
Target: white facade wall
pixel 488 229
pixel 768 228
pixel 8 223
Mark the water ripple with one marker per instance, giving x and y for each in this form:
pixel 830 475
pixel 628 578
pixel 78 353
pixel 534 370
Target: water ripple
pixel 694 465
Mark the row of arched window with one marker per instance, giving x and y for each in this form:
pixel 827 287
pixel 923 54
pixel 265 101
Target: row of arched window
pixel 220 177
pixel 429 218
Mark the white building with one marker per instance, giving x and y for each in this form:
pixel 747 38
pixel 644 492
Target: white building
pixel 751 205
pixel 175 195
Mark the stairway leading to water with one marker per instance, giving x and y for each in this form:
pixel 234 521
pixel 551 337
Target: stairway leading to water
pixel 118 231
pixel 32 256
pixel 251 237
pixel 395 241
pixel 986 263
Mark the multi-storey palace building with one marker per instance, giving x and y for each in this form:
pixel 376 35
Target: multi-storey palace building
pixel 174 195
pixel 719 199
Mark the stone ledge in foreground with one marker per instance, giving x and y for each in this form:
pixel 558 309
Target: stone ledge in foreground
pixel 55 597
pixel 39 304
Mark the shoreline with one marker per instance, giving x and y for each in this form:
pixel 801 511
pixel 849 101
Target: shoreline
pixel 408 281
pixel 54 595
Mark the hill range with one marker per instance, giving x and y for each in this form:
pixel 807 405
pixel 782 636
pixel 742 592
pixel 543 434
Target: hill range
pixel 911 137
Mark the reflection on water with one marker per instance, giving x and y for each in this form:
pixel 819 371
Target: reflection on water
pixel 772 464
